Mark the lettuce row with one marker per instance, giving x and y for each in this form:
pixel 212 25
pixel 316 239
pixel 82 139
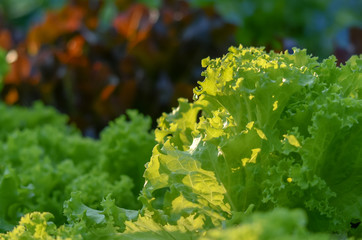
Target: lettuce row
pixel 43 161
pixel 277 224
pixel 268 130
pixel 127 146
pixel 269 149
pixel 17 118
pixel 37 225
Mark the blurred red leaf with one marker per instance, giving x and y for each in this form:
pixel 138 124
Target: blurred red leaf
pixel 75 46
pixel 56 23
pixel 74 52
pixel 107 91
pixel 5 39
pixel 19 69
pixel 65 58
pixel 134 24
pixel 12 96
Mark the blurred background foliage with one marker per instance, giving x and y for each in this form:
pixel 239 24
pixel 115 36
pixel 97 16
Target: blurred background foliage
pixel 94 59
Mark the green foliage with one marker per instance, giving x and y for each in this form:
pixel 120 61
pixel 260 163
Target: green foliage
pixel 310 24
pixel 270 148
pixel 3 67
pixel 276 130
pixel 151 3
pixel 37 226
pixel 126 146
pixel 105 223
pixel 42 161
pixel 23 14
pixel 19 118
pixel 276 224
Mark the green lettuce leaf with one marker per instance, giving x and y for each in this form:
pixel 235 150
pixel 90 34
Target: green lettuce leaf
pixel 127 146
pixel 277 224
pixel 105 223
pixel 19 118
pixel 43 161
pixel 268 130
pixel 36 225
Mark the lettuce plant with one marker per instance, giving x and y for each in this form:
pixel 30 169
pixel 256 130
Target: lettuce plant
pixel 17 118
pixel 265 130
pixel 43 161
pixel 127 146
pixel 276 224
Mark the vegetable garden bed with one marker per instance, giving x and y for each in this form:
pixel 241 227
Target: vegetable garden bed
pixel 270 148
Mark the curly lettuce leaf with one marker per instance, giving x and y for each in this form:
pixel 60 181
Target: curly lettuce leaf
pixel 104 223
pixel 19 118
pixel 277 224
pixel 45 161
pixel 9 199
pixel 268 130
pixel 148 227
pixel 37 225
pixel 127 146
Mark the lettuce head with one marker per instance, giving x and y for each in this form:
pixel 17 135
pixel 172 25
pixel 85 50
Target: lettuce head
pixel 265 130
